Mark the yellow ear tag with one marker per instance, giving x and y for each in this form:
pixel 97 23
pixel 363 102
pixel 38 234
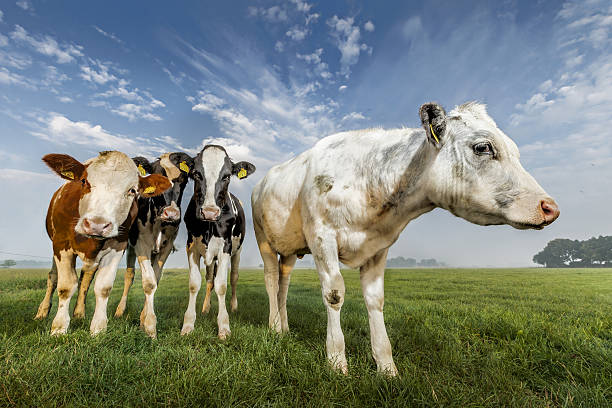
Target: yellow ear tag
pixel 68 174
pixel 242 173
pixel 141 170
pixel 433 133
pixel 183 166
pixel 149 190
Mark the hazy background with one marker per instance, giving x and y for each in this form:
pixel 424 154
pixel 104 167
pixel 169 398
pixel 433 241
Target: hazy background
pixel 268 78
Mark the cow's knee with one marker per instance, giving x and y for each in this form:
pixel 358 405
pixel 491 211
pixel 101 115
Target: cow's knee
pixel 335 298
pixel 221 289
pixel 149 286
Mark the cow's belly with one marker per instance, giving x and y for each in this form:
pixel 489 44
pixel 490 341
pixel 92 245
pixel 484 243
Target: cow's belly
pixel 356 247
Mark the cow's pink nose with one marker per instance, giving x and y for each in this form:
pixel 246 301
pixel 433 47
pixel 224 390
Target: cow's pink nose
pixel 211 213
pixel 550 210
pixel 96 226
pixel 171 213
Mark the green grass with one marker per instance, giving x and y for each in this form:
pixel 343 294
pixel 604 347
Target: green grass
pixel 460 337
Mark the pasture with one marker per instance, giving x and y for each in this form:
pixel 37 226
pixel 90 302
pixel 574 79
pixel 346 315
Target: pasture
pixel 460 337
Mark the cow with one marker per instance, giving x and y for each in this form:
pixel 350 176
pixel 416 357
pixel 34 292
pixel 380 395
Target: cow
pixel 90 217
pixel 349 197
pixel 215 231
pixel 151 238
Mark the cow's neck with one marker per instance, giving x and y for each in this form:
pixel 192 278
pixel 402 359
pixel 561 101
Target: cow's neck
pixel 406 196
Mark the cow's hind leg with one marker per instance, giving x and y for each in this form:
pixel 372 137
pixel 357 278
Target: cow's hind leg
pixel 234 279
pixel 87 273
pixel 45 305
pixel 270 260
pixel 372 284
pixel 128 280
pixel 66 286
pixel 286 264
pixel 195 281
pixel 322 243
pixel 210 276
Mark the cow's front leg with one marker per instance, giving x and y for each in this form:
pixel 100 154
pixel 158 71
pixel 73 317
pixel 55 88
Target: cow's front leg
pixel 107 270
pixel 324 248
pixel 87 273
pixel 66 286
pixel 195 280
pixel 45 305
pixel 148 320
pixel 128 280
pixel 210 276
pixel 372 275
pixel 221 288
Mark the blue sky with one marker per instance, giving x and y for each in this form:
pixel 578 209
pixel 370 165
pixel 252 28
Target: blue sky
pixel 269 78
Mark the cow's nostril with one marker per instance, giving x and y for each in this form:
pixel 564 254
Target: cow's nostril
pixel 86 224
pixel 550 210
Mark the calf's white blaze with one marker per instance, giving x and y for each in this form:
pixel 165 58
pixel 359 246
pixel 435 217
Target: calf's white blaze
pixel 213 160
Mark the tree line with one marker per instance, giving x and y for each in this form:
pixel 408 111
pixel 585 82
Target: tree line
pixel 401 262
pixel 567 253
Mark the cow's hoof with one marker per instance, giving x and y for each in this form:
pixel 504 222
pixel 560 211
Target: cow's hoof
pixel 78 314
pixel 41 315
pixel 234 305
pixel 97 326
pixel 187 328
pixel 224 334
pixel 206 308
pixel 339 364
pixel 120 310
pixel 58 331
pixel 389 370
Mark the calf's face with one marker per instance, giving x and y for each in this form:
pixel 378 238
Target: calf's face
pixel 176 167
pixel 477 174
pixel 212 170
pixel 107 186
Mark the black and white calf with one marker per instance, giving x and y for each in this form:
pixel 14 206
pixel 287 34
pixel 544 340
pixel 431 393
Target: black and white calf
pixel 215 227
pixel 152 236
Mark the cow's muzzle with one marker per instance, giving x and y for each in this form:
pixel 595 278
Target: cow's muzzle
pixel 96 227
pixel 170 214
pixel 210 213
pixel 550 211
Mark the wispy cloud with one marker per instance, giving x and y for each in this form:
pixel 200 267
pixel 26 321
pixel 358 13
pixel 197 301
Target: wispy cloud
pixel 347 38
pixel 25 5
pixel 109 35
pixel 47 45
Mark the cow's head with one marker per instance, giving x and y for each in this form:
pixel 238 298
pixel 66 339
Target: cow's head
pixel 175 166
pixel 108 185
pixel 212 170
pixel 477 174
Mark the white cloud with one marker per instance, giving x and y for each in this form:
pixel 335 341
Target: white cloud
pixel 1 16
pixel 25 5
pixel 302 5
pixel 346 36
pixel 412 28
pixel 61 130
pixel 10 78
pixel 99 76
pixel 15 60
pixel 65 99
pixel 48 46
pixel 315 59
pixel 312 18
pixel 273 14
pixel 297 33
pixel 109 35
pixel 368 26
pixel 342 88
pixel 24 175
pixel 132 112
pixel 353 116
pixel 3 40
pixel 279 46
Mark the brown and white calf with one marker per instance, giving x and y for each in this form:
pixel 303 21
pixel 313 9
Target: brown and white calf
pixel 215 226
pixel 90 217
pixel 349 197
pixel 153 233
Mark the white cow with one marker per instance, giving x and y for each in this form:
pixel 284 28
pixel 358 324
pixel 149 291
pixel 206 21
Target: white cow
pixel 350 196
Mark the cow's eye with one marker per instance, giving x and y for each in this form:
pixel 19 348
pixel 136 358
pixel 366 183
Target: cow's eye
pixel 83 181
pixel 483 148
pixel 226 177
pixel 132 191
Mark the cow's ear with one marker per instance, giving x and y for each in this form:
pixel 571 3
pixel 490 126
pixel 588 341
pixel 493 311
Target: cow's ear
pixel 144 167
pixel 67 167
pixel 153 185
pixel 433 119
pixel 182 161
pixel 242 169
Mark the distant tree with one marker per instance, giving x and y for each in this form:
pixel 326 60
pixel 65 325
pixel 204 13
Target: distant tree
pixel 428 263
pixel 401 262
pixel 8 263
pixel 560 253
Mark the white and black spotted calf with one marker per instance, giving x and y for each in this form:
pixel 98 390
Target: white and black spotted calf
pixel 216 226
pixel 152 236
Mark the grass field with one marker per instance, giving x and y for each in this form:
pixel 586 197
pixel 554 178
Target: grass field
pixel 498 338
